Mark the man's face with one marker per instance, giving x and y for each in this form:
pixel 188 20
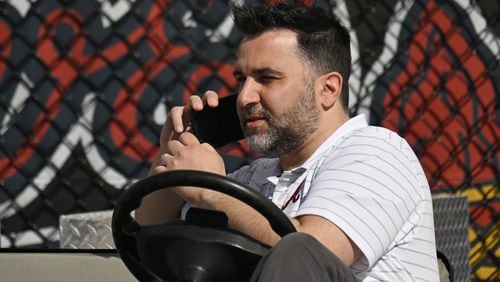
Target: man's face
pixel 276 103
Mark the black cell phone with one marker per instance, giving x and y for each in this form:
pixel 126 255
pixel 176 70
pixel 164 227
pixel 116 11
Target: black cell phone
pixel 218 126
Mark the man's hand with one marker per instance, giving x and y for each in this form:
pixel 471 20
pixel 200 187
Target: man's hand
pixel 179 149
pixel 187 153
pixel 179 121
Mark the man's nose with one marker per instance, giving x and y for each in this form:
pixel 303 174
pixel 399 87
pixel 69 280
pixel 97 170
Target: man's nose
pixel 249 94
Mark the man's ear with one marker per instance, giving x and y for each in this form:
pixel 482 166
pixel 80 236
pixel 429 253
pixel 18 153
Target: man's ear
pixel 331 87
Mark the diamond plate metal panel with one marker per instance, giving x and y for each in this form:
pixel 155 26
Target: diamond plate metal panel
pixel 86 231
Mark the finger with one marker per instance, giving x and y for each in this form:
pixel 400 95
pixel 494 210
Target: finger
pixel 177 116
pixel 174 147
pixel 158 169
pixel 165 159
pixel 196 102
pixel 209 147
pixel 211 98
pixel 187 138
pixel 184 139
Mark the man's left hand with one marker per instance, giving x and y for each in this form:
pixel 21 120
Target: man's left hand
pixel 188 153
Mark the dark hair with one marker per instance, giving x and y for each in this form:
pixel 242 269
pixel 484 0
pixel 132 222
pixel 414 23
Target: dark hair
pixel 321 38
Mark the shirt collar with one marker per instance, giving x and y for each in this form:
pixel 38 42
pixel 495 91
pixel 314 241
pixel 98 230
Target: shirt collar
pixel 352 124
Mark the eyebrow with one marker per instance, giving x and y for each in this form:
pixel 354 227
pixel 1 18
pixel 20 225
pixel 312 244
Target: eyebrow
pixel 260 71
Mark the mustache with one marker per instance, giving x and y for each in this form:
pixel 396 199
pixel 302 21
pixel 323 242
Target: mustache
pixel 256 111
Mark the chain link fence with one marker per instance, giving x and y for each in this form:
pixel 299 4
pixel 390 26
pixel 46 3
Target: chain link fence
pixel 86 85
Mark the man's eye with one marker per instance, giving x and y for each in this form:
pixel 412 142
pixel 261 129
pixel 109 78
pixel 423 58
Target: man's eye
pixel 265 79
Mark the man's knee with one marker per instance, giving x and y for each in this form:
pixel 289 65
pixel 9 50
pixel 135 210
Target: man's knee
pixel 301 257
pixel 295 242
pixel 302 247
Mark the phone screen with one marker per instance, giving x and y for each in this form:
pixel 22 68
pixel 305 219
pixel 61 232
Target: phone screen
pixel 218 126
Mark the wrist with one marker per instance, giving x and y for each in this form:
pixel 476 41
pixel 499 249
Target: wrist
pixel 210 199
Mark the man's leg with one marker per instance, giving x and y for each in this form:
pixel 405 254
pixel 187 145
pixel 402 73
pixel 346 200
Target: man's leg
pixel 300 257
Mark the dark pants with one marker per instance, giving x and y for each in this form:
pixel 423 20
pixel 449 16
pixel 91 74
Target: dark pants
pixel 300 257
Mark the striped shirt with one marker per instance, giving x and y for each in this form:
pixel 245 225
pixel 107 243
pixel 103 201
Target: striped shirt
pixel 368 181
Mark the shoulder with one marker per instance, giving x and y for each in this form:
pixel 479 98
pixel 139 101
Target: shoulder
pixel 375 136
pixel 378 162
pixel 375 143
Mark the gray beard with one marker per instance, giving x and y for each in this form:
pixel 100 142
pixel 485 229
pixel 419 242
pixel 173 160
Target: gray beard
pixel 287 132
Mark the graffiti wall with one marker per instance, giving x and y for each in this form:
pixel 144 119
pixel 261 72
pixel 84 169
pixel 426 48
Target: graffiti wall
pixel 85 86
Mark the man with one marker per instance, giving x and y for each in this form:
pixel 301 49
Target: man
pixel 356 194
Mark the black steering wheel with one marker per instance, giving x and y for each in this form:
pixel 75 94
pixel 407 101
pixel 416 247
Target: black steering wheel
pixel 201 248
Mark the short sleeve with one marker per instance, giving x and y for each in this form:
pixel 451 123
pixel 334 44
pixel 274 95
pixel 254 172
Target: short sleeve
pixel 368 188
